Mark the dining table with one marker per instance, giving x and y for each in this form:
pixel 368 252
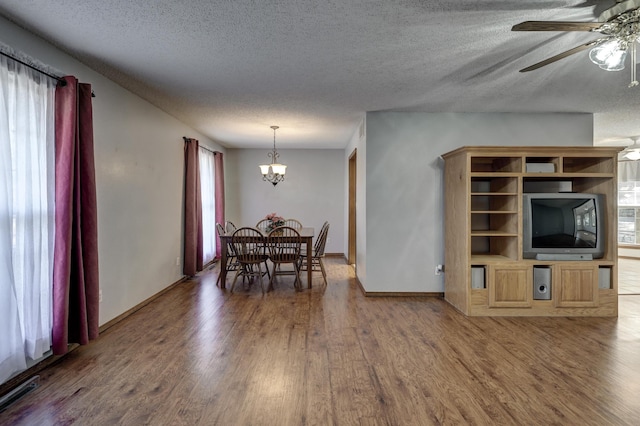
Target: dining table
pixel 306 234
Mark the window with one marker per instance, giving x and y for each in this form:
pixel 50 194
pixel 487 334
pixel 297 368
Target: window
pixel 629 202
pixel 26 215
pixel 207 189
pixel 629 212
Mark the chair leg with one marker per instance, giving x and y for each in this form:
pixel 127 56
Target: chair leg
pixel 260 278
pixel 271 277
pixel 235 278
pixel 266 266
pixel 219 280
pixel 324 272
pixel 297 284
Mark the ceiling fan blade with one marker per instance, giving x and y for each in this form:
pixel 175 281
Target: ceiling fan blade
pixel 556 26
pixel 562 55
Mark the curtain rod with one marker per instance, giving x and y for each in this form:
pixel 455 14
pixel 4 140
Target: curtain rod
pixel 55 77
pixel 60 80
pixel 199 146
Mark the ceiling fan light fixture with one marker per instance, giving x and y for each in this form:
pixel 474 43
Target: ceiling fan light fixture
pixel 620 27
pixel 633 155
pixel 610 55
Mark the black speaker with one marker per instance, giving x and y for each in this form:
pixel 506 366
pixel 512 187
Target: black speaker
pixel 541 283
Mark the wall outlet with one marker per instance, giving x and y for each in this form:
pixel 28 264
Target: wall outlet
pixel 178 261
pixel 100 296
pixel 439 269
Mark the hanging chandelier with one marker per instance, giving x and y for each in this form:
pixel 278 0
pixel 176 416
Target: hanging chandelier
pixel 273 172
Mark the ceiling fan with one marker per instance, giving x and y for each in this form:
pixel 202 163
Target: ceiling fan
pixel 630 152
pixel 619 26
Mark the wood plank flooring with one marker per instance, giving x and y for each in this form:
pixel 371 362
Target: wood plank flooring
pixel 330 356
pixel 628 276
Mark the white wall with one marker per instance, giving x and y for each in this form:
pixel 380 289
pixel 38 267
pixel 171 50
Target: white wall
pixel 312 192
pixel 404 184
pixel 139 177
pixel 358 143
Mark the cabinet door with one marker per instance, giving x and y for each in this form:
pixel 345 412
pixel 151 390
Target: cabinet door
pixel 510 286
pixel 575 286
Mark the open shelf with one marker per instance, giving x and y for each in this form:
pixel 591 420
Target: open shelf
pixel 496 164
pixel 595 165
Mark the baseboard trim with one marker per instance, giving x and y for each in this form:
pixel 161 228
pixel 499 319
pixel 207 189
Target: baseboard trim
pixel 404 294
pixel 398 293
pixel 139 306
pixel 360 286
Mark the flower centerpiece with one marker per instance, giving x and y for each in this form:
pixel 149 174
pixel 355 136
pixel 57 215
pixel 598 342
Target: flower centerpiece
pixel 274 221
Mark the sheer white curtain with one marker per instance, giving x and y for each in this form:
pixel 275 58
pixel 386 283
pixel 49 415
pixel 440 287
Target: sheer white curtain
pixel 26 214
pixel 629 171
pixel 207 189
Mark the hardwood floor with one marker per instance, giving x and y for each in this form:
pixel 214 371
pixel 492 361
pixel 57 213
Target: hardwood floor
pixel 628 276
pixel 201 356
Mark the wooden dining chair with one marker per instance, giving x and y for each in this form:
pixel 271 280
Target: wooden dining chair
pixel 263 224
pixel 250 249
pixel 317 254
pixel 232 264
pixel 284 243
pixel 293 223
pixel 229 227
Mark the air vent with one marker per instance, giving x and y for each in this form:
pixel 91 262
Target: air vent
pixel 18 392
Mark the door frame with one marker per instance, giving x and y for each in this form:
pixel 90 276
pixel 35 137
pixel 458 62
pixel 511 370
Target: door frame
pixel 351 245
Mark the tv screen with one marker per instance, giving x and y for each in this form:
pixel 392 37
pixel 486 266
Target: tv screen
pixel 562 224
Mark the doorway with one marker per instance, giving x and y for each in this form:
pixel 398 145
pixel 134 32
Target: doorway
pixel 351 252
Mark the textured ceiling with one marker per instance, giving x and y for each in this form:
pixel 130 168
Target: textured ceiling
pixel 231 69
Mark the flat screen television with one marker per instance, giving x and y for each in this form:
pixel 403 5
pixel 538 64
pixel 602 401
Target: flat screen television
pixel 563 226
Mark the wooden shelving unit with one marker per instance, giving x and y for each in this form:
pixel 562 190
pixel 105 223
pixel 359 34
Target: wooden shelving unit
pixel 483 231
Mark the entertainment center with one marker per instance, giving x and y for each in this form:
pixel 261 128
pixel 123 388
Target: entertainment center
pixel 531 231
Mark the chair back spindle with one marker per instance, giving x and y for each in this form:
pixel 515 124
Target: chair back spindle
pixel 248 246
pixel 284 244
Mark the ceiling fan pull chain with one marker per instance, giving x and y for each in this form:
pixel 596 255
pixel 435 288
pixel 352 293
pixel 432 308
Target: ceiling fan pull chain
pixel 633 66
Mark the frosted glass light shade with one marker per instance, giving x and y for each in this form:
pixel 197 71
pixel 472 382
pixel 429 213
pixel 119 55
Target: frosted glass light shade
pixel 609 56
pixel 615 62
pixel 279 169
pixel 633 155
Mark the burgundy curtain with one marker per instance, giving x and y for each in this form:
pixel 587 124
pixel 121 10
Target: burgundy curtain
pixel 75 268
pixel 192 209
pixel 219 191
